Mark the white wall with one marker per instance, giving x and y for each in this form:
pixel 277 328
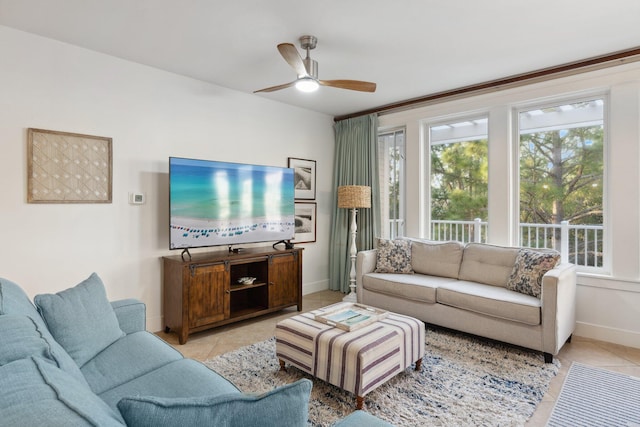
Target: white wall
pixel 608 305
pixel 151 115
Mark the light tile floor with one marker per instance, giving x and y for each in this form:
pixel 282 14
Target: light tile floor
pixel 205 345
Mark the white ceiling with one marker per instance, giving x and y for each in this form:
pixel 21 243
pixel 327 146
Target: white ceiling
pixel 410 48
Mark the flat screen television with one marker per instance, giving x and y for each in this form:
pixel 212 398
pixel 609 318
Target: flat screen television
pixel 215 203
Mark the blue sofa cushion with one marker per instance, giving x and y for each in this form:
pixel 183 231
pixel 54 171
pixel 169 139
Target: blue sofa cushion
pixel 21 339
pixel 361 418
pixel 81 319
pixel 130 357
pixel 182 378
pixel 285 406
pixel 13 300
pixel 34 392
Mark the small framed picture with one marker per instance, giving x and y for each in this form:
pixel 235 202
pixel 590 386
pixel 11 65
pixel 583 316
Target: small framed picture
pixel 305 214
pixel 304 178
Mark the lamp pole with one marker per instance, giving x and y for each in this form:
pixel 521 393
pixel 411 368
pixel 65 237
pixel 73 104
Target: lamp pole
pixel 353 252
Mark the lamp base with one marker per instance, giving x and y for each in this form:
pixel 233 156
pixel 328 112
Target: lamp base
pixel 350 297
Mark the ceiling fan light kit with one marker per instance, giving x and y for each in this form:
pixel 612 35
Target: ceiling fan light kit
pixel 307 84
pixel 307 71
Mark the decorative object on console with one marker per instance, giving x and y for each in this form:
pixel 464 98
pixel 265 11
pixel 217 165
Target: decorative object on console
pixel 304 178
pixel 353 197
pixel 305 215
pixel 68 167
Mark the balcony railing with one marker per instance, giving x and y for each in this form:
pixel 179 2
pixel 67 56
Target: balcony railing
pixel 581 245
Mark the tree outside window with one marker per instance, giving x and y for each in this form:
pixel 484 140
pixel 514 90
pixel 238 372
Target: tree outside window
pixel 561 178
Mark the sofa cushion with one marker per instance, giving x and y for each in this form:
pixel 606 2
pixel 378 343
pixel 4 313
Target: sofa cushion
pixel 436 258
pixel 361 418
pixel 284 406
pixel 530 266
pixel 393 256
pixel 487 264
pixel 491 301
pixel 13 300
pixel 416 287
pixel 129 357
pixel 21 339
pixel 81 319
pixel 36 393
pixel 182 378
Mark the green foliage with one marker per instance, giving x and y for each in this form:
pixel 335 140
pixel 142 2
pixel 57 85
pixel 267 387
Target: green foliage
pixel 459 182
pixel 561 176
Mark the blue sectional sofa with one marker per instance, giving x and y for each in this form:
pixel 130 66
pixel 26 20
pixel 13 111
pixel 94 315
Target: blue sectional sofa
pixel 78 359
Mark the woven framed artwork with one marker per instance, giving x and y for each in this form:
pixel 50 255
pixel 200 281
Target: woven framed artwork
pixel 68 167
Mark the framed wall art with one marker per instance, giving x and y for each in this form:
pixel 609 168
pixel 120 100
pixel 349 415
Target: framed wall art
pixel 305 215
pixel 304 178
pixel 68 167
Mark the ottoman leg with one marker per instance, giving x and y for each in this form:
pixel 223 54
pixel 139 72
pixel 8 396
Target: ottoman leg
pixel 282 368
pixel 418 364
pixel 359 402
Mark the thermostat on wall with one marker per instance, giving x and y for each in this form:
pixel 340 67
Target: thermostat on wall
pixel 136 198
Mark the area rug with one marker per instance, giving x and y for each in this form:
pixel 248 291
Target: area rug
pixel 597 397
pixel 464 381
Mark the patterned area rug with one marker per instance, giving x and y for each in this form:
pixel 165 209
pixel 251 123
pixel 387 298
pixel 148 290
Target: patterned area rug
pixel 597 397
pixel 464 381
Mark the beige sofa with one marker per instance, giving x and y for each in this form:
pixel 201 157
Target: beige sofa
pixel 464 287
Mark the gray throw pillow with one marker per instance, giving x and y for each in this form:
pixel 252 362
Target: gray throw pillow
pixel 81 319
pixel 393 256
pixel 528 270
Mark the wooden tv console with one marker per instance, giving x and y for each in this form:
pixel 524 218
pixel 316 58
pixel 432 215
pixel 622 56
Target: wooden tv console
pixel 203 292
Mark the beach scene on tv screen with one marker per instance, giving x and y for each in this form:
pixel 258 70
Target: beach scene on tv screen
pixel 217 203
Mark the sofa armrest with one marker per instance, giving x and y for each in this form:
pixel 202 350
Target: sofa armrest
pixel 558 306
pixel 365 263
pixel 131 314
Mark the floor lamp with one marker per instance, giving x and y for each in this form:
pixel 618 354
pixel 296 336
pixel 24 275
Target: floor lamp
pixel 353 197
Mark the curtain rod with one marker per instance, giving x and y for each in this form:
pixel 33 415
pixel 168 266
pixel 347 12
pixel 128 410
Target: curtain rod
pixel 568 69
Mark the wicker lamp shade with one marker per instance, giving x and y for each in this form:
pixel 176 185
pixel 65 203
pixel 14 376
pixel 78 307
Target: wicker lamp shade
pixel 354 196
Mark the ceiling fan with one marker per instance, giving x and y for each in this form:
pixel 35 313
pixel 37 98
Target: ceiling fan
pixel 307 70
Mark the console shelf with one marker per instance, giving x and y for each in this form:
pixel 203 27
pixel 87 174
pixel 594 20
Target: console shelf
pixel 204 292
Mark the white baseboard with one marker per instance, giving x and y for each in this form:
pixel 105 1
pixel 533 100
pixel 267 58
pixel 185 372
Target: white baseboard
pixel 155 324
pixel 309 288
pixel 607 334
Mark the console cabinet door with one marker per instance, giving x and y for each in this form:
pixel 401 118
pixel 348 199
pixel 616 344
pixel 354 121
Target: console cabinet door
pixel 283 280
pixel 208 294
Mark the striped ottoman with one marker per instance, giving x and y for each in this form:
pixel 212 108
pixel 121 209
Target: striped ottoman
pixel 358 361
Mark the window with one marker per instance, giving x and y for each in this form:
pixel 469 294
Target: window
pixel 459 180
pixel 561 152
pixel 391 155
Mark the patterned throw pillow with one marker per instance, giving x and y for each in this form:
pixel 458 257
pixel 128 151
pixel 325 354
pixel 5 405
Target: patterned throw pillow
pixel 394 256
pixel 530 266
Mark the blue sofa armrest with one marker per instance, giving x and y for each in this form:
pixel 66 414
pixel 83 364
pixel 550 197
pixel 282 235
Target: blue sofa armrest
pixel 131 314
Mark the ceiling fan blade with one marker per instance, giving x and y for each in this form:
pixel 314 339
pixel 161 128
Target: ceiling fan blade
pixel 291 55
pixel 274 88
pixel 350 84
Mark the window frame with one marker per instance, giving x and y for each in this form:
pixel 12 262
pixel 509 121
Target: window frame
pixel 469 116
pixel 533 104
pixel 382 132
